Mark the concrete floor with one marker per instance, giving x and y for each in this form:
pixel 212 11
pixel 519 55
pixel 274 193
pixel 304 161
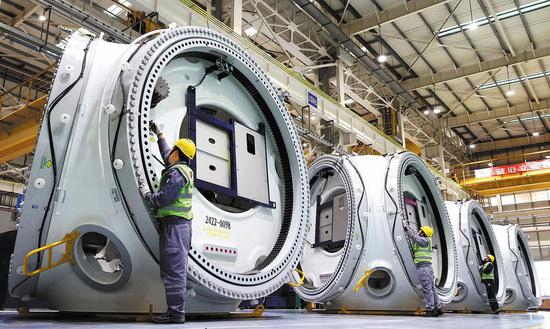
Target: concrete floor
pixel 275 319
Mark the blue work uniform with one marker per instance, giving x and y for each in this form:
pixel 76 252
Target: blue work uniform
pixel 425 274
pixel 174 236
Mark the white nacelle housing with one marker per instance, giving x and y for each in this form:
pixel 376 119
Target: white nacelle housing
pixel 475 239
pixel 522 283
pixel 357 255
pixel 95 149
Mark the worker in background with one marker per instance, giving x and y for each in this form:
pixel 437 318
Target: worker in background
pixel 422 253
pixel 173 204
pixel 487 270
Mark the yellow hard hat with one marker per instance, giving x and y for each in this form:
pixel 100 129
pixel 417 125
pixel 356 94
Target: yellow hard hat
pixel 427 230
pixel 491 257
pixel 187 147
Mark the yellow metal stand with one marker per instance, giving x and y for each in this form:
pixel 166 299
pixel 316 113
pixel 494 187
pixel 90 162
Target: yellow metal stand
pixel 300 282
pixel 67 256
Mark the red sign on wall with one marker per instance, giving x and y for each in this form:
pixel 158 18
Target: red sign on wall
pixel 513 168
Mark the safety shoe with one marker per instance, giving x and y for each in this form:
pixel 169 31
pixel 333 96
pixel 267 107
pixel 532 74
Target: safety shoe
pixel 167 318
pixel 439 312
pixel 430 314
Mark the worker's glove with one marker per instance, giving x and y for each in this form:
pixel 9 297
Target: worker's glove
pixel 144 189
pixel 154 128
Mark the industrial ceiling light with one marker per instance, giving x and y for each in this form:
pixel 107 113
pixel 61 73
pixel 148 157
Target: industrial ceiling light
pixel 437 109
pixel 472 146
pixel 536 133
pixel 349 101
pixel 363 48
pixel 250 31
pixel 515 11
pixel 42 18
pixel 473 25
pixel 249 201
pixel 490 164
pixel 426 112
pixel 509 92
pixel 382 58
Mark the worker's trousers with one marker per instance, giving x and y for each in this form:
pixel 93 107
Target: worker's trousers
pixel 489 285
pixel 175 242
pixel 427 281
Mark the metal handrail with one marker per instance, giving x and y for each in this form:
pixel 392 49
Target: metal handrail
pixel 67 256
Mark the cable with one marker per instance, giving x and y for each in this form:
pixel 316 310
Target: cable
pixel 52 151
pixel 202 79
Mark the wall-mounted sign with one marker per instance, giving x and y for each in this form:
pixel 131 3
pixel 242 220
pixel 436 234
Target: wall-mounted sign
pixel 312 99
pixel 513 168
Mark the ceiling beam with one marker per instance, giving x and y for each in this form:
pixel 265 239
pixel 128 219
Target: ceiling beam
pixel 12 187
pixel 29 40
pixel 497 113
pixel 468 70
pixel 389 15
pixel 511 142
pixel 26 13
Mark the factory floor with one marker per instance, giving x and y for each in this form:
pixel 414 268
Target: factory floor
pixel 274 319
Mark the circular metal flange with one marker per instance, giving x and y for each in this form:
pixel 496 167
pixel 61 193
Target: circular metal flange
pixel 353 245
pixel 149 63
pixel 399 165
pixel 524 270
pixel 471 215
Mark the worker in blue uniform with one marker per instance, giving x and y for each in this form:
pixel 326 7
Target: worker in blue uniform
pixel 173 205
pixel 422 255
pixel 488 279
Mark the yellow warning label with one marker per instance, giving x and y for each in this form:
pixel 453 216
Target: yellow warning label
pixel 217 233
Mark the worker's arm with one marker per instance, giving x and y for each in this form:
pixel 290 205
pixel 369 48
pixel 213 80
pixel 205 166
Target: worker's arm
pixel 168 192
pixel 163 146
pixel 421 241
pixel 164 149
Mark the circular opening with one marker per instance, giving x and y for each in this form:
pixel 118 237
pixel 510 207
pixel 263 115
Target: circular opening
pixel 99 258
pixel 527 264
pixel 326 239
pixel 223 103
pixel 380 283
pixel 510 296
pixel 482 243
pixel 421 208
pixel 461 292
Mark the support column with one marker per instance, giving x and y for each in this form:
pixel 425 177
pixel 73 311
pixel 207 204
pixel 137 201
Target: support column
pixel 218 9
pixel 340 81
pixel 237 16
pixel 402 128
pixel 442 165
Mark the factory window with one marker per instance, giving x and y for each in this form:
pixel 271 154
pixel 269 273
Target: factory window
pixel 116 10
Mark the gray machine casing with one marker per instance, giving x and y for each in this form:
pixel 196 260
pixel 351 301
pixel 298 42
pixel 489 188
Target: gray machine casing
pixel 522 283
pixel 466 215
pixel 93 193
pixel 375 237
